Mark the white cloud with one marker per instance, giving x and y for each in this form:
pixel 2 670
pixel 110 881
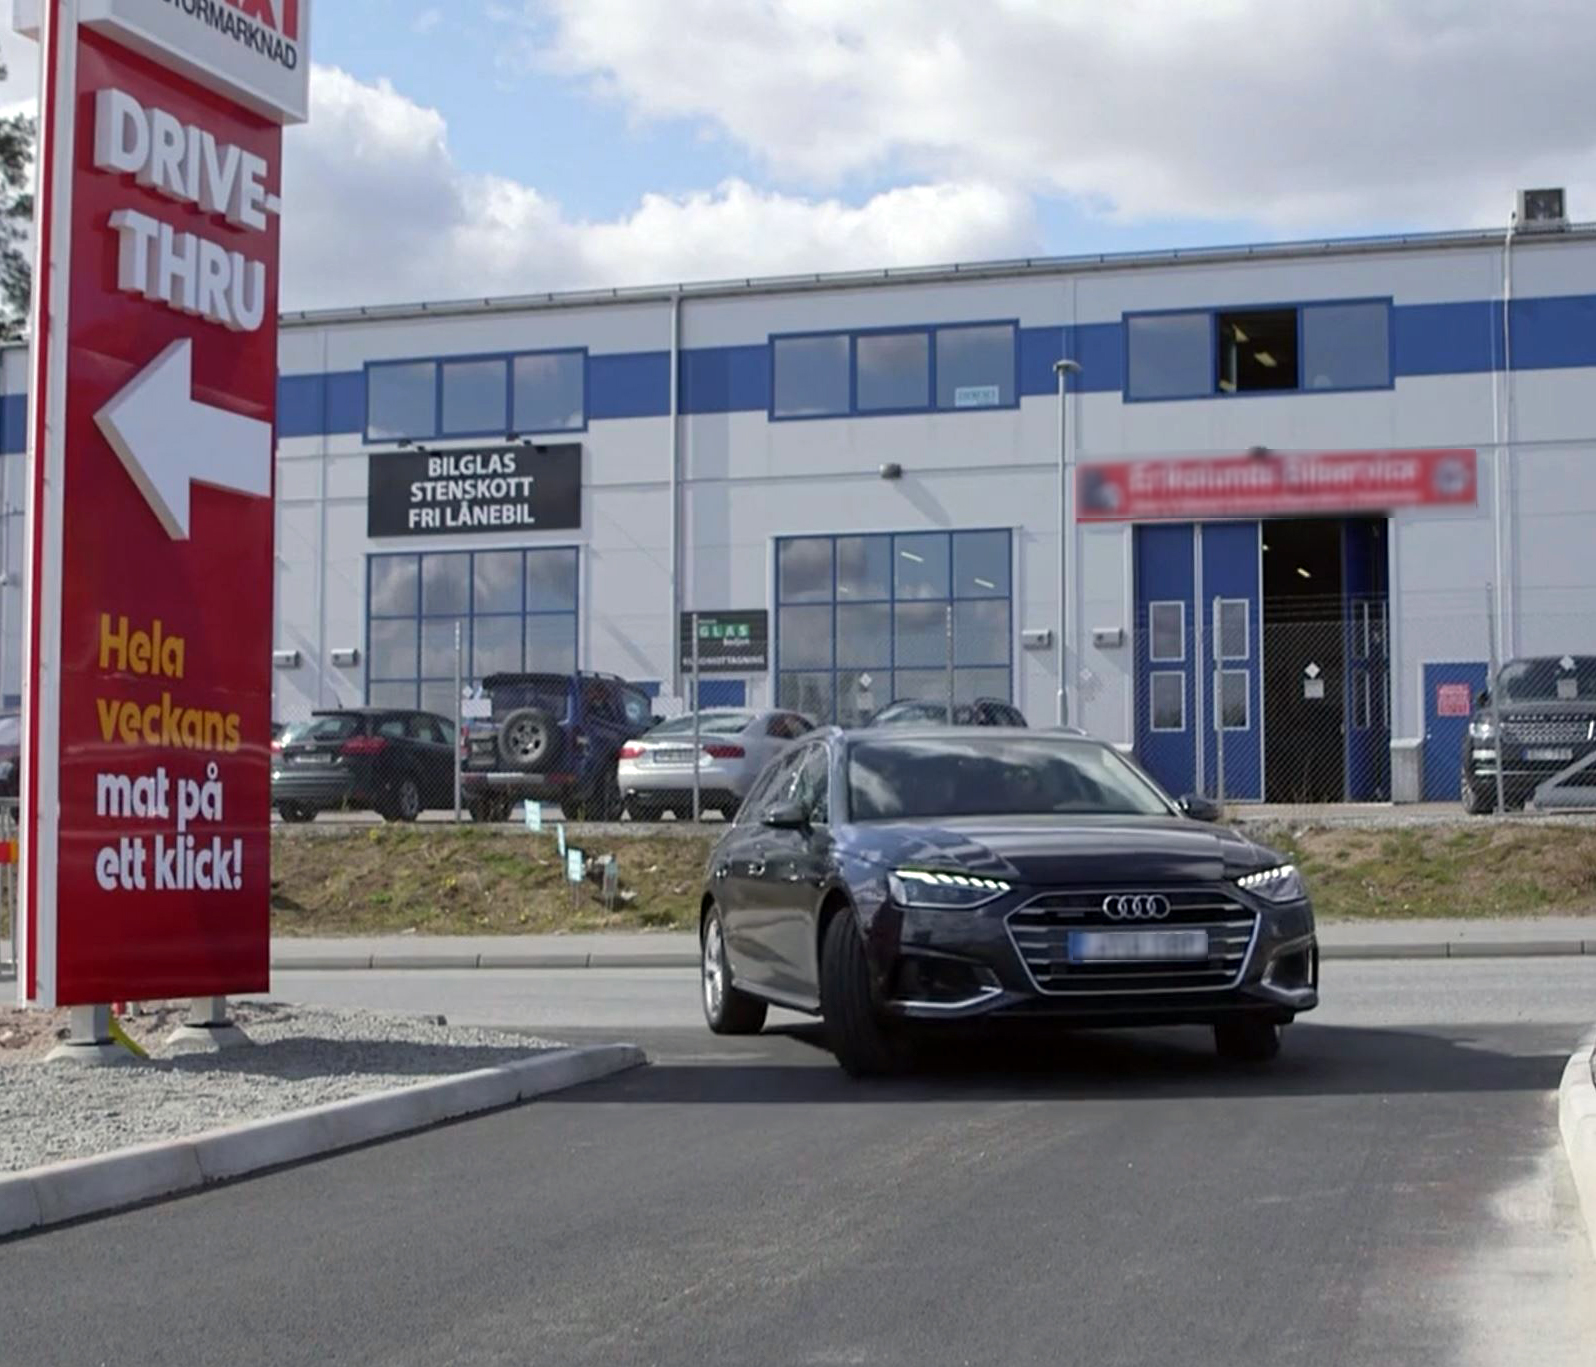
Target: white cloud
pixel 1337 112
pixel 426 21
pixel 378 211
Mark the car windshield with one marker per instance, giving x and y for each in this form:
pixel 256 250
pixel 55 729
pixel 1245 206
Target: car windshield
pixel 1002 776
pixel 336 726
pixel 901 712
pixel 709 724
pixel 1566 678
pixel 547 695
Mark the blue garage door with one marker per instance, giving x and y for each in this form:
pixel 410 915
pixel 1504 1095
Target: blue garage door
pixel 1233 650
pixel 1166 655
pixel 1446 723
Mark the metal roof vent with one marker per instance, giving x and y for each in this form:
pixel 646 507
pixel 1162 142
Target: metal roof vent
pixel 1542 210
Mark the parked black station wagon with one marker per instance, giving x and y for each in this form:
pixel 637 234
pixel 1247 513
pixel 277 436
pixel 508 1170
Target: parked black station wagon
pixel 890 879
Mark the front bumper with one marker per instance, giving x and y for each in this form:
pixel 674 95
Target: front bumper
pixel 934 965
pixel 724 776
pixel 1521 775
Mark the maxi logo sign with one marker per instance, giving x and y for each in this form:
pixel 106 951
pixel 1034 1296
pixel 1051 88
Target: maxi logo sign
pixel 147 694
pixel 489 489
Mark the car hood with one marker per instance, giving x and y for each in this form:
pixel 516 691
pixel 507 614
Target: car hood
pixel 1053 851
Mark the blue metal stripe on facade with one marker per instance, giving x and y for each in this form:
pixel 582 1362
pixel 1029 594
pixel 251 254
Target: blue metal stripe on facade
pixel 13 424
pixel 346 402
pixel 1445 339
pixel 1553 333
pixel 726 379
pixel 630 384
pixel 1039 348
pixel 723 693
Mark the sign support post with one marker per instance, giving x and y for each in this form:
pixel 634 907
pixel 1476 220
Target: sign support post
pixel 698 754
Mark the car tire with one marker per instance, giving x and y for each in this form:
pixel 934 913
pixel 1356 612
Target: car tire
pixel 405 804
pixel 487 811
pixel 855 1031
pixel 726 1010
pixel 295 813
pixel 1247 1041
pixel 529 740
pixel 1475 803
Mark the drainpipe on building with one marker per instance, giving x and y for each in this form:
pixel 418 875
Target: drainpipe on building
pixel 1066 544
pixel 672 635
pixel 1502 421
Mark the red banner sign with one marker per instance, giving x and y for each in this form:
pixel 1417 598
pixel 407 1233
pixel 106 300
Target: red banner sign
pixel 146 786
pixel 1275 483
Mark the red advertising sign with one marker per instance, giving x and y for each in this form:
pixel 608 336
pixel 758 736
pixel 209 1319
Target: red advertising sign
pixel 146 781
pixel 1275 483
pixel 1454 700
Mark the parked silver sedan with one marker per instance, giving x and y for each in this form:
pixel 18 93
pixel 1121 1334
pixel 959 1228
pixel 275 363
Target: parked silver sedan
pixel 656 770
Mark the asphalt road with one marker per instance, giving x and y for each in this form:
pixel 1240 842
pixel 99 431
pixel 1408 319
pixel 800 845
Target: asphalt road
pixel 1390 1191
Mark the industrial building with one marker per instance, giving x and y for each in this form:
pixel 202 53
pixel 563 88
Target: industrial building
pixel 1353 471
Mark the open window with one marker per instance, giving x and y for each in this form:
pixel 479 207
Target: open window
pixel 1257 351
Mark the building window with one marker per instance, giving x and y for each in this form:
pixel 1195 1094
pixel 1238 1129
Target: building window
pixel 1167 623
pixel 976 366
pixel 894 371
pixel 1235 686
pixel 1169 355
pixel 1234 642
pixel 550 393
pixel 1168 689
pixel 516 610
pixel 909 370
pixel 478 396
pixel 1257 351
pixel 862 621
pixel 1275 349
pixel 810 376
pixel 401 400
pixel 1346 346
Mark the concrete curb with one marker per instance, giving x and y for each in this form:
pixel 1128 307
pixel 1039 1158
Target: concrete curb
pixel 93 1186
pixel 1576 1116
pixel 549 959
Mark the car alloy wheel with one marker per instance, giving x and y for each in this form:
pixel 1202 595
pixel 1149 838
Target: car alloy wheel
pixel 409 800
pixel 727 1011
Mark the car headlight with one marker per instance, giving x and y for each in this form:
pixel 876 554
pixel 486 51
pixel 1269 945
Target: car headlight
pixel 1483 729
pixel 1280 884
pixel 952 891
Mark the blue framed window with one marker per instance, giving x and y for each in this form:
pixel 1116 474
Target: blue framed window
pixel 1329 346
pixel 516 609
pixel 953 367
pixel 529 393
pixel 862 621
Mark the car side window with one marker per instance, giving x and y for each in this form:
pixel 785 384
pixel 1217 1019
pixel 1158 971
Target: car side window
pixel 421 727
pixel 392 727
pixel 639 710
pixel 603 705
pixel 812 791
pixel 773 786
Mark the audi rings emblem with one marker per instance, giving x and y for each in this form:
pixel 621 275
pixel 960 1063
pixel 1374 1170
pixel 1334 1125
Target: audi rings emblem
pixel 1140 907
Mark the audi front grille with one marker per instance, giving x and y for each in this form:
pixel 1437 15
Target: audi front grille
pixel 1040 932
pixel 1549 730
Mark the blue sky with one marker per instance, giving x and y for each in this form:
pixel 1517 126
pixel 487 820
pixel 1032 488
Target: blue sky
pixel 506 146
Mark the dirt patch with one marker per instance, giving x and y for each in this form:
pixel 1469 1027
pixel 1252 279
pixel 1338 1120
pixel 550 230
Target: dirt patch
pixel 1478 870
pixel 446 881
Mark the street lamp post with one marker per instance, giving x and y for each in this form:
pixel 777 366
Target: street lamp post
pixel 1066 542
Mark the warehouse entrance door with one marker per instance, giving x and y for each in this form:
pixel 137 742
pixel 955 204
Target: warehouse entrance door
pixel 1326 616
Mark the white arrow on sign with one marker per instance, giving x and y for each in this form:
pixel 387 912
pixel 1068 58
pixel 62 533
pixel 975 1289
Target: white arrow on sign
pixel 167 439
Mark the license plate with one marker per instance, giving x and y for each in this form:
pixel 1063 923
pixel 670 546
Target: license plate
pixel 1146 946
pixel 684 756
pixel 315 759
pixel 1549 756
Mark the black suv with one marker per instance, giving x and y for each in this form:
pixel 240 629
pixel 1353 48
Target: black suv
pixel 927 712
pixel 551 738
pixel 1547 709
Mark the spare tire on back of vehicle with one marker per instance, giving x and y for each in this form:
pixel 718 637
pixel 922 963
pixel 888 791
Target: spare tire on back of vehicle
pixel 528 740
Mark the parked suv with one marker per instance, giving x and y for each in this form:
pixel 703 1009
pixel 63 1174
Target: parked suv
pixel 1547 709
pixel 926 712
pixel 551 738
pixel 396 761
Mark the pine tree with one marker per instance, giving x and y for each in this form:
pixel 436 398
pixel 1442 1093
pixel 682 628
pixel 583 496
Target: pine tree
pixel 16 220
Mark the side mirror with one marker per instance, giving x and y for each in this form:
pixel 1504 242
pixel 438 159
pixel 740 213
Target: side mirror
pixel 786 816
pixel 1200 808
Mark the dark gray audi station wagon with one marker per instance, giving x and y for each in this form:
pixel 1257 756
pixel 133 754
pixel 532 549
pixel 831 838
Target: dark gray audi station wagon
pixel 890 879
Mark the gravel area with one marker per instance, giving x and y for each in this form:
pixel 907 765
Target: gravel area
pixel 302 1056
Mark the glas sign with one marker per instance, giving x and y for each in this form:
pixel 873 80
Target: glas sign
pixel 493 489
pixel 728 642
pixel 977 396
